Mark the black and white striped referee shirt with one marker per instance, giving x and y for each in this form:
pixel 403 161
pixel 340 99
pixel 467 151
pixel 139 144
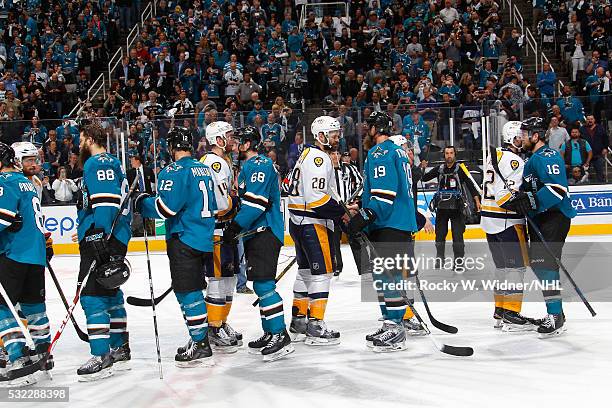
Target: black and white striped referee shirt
pixel 348 179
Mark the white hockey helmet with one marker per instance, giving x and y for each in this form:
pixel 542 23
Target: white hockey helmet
pixel 511 130
pixel 325 125
pixel 399 140
pixel 218 129
pixel 24 149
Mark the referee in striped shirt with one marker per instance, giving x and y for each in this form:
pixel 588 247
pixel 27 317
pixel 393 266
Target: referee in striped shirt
pixel 349 182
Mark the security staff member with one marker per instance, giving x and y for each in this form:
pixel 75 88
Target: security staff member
pixel 449 203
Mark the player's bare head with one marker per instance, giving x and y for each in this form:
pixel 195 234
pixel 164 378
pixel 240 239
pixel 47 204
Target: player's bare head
pixel 93 134
pixel 450 155
pixel 326 132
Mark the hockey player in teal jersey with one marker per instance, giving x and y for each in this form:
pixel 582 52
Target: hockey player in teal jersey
pixel 103 188
pixel 22 263
pixel 186 201
pixel 260 208
pixel 388 217
pixel 545 199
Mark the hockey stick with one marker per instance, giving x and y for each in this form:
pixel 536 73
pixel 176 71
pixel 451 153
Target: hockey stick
pixel 82 335
pixel 143 302
pixel 461 351
pixel 32 368
pixel 159 362
pixel 536 229
pixel 280 276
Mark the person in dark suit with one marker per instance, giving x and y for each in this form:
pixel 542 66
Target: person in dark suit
pixel 125 71
pixel 181 65
pixel 146 184
pixel 163 74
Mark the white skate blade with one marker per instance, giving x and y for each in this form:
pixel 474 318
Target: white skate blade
pixel 297 337
pixel 224 349
pixel 122 366
pixel 369 344
pixel 556 333
pixel 105 373
pixel 416 333
pixel 255 351
pixel 498 324
pixel 517 328
pixel 390 349
pixel 200 362
pixel 317 341
pixel 288 349
pixel 25 381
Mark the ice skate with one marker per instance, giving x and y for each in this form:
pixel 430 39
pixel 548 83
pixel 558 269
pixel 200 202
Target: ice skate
pixel 317 334
pixel 221 341
pixel 26 380
pixel 297 329
pixel 553 325
pixel 229 330
pixel 393 338
pixel 121 357
pixel 370 337
pixel 196 353
pixel 96 368
pixel 278 347
pixel 257 345
pixel 515 322
pixel 413 327
pixel 498 315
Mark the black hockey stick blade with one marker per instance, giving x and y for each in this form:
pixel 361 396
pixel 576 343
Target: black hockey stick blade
pixel 459 351
pixel 134 301
pixel 437 324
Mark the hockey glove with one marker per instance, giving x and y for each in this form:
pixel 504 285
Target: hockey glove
pixel 95 242
pixel 138 200
pixel 521 203
pixel 49 245
pixel 229 234
pixel 16 224
pixel 359 221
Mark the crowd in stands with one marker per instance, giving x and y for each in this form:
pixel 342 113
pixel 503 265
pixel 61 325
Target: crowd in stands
pixel 253 62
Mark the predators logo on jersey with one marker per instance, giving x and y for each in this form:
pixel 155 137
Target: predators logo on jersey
pixel 216 166
pixel 318 161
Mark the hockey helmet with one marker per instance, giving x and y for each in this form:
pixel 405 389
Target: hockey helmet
pixel 24 149
pixel 218 129
pixel 179 138
pixel 511 130
pixel 533 125
pixel 114 273
pixel 381 121
pixel 7 156
pixel 249 134
pixel 324 125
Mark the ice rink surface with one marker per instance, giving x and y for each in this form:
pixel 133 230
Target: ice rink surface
pixel 507 370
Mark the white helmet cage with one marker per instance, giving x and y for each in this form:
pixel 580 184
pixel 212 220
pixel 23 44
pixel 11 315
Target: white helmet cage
pixel 324 125
pixel 218 129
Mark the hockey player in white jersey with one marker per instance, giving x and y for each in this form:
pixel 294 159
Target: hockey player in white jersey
pixel 312 211
pixel 220 270
pixel 505 229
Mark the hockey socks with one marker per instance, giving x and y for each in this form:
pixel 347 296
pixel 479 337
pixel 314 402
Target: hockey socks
pixel 215 301
pixel 106 322
pixel 300 294
pixel 11 334
pixel 552 293
pixel 193 307
pixel 318 293
pixel 119 335
pixel 229 287
pixel 270 306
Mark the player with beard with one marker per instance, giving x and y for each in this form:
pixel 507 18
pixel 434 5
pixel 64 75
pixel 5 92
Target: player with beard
pixel 104 186
pixel 545 198
pixel 312 211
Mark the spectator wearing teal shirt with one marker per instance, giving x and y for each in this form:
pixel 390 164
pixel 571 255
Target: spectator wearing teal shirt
pixel 577 152
pixel 273 131
pixel 221 56
pixel 570 106
pixel 257 110
pixel 546 81
pixel 295 41
pixel 416 129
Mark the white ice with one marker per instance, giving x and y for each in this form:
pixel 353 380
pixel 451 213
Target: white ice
pixel 507 370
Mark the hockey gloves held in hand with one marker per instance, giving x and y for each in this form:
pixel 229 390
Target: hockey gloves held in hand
pixel 95 242
pixel 16 224
pixel 359 221
pixel 49 245
pixel 230 233
pixel 521 202
pixel 138 200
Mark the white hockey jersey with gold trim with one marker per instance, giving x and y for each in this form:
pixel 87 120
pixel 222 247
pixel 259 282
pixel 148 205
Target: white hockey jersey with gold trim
pixel 310 186
pixel 223 177
pixel 495 219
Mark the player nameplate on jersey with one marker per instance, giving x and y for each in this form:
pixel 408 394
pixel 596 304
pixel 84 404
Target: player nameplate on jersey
pixel 216 166
pixel 514 164
pixel 318 161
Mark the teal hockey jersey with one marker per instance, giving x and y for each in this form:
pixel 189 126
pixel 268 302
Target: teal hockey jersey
pixel 260 197
pixel 18 197
pixel 387 188
pixel 186 201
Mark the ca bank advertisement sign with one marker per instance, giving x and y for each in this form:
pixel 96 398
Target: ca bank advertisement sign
pixel 592 200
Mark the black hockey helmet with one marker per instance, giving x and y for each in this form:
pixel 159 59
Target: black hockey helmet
pixel 382 122
pixel 7 155
pixel 533 125
pixel 114 273
pixel 249 134
pixel 180 138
